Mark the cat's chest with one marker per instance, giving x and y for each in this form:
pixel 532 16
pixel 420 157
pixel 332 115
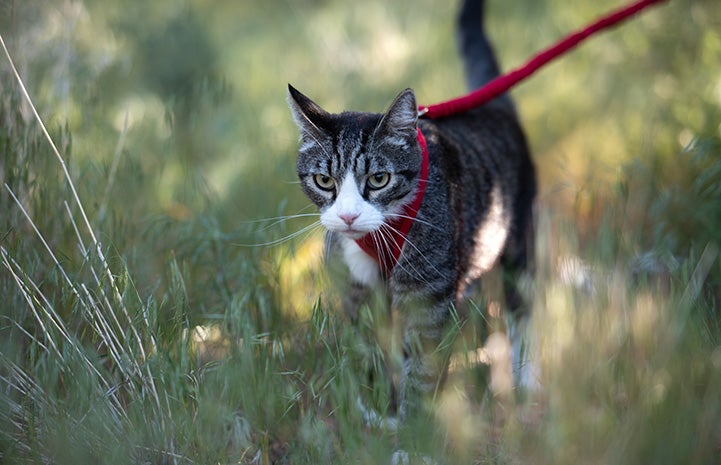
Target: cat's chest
pixel 363 268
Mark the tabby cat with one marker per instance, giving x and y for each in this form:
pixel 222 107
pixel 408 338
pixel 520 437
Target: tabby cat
pixel 365 170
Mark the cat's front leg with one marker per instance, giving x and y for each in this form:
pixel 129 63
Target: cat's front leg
pixel 366 288
pixel 424 364
pixel 364 277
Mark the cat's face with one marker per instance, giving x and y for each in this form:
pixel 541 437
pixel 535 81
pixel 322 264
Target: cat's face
pixel 360 169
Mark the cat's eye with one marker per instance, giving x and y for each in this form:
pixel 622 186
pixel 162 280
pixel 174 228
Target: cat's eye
pixel 379 180
pixel 324 182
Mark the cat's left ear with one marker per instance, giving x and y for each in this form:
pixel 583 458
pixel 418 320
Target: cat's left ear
pixel 309 117
pixel 400 121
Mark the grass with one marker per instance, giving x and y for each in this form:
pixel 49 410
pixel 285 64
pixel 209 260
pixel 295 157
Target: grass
pixel 138 326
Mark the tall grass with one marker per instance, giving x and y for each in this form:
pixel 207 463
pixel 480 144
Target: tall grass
pixel 138 326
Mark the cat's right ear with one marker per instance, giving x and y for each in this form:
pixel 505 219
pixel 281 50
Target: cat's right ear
pixel 309 117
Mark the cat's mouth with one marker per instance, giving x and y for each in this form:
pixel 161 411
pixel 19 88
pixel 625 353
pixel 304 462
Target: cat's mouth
pixel 352 233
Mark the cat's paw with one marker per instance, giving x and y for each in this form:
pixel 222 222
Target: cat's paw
pixel 401 457
pixel 373 419
pixel 525 370
pixel 526 376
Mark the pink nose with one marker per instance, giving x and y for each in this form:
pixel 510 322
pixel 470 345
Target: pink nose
pixel 348 218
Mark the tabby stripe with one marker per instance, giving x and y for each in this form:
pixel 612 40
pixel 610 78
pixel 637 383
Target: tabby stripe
pixel 389 196
pixel 337 160
pixel 408 174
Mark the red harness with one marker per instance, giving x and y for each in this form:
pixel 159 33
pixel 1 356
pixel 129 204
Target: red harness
pixel 385 245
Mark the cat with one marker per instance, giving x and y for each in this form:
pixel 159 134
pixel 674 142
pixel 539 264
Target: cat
pixel 468 200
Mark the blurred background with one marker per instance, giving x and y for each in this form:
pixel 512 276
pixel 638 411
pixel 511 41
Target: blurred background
pixel 172 118
pixel 177 108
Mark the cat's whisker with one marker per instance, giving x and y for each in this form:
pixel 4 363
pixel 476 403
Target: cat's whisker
pixel 305 230
pixel 419 220
pixel 310 231
pixel 276 220
pixel 386 239
pixel 282 219
pixel 379 241
pixel 385 233
pixel 426 182
pixel 300 214
pixel 422 255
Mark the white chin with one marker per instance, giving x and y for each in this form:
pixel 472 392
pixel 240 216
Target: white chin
pixel 353 234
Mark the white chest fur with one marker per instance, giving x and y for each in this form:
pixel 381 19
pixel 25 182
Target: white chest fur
pixel 363 268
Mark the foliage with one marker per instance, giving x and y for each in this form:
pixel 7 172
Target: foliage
pixel 158 318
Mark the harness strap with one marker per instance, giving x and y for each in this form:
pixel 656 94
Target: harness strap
pixel 386 244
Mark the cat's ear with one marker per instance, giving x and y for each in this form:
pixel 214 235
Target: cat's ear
pixel 399 122
pixel 309 117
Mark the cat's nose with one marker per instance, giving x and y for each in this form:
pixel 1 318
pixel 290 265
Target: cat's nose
pixel 348 218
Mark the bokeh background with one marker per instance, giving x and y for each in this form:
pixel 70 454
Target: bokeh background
pixel 183 102
pixel 171 116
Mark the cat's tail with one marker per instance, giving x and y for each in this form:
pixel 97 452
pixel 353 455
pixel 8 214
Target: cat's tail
pixel 478 57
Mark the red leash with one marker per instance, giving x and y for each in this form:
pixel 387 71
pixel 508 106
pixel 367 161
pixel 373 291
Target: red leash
pixel 503 83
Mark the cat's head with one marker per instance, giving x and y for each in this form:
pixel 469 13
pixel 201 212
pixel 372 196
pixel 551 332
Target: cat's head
pixel 360 169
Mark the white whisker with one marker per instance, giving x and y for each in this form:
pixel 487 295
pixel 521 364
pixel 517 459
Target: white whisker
pixel 427 223
pixel 422 255
pixel 301 214
pixel 279 220
pixel 411 270
pixel 386 236
pixel 379 237
pixel 307 229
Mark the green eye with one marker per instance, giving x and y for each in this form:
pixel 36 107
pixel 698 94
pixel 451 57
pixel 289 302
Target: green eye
pixel 379 180
pixel 324 182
